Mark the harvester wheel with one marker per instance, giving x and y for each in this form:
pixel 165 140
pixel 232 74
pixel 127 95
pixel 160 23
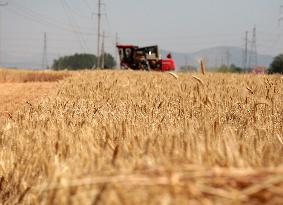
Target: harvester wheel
pixel 144 65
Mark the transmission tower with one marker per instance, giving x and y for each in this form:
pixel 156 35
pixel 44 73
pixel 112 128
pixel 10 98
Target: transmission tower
pixel 245 51
pixel 253 52
pixel 1 4
pixel 44 64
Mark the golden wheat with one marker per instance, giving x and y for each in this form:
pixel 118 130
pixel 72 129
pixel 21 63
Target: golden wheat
pixel 23 76
pixel 123 137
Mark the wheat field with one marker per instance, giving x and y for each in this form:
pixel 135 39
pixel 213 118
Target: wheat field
pixel 24 76
pixel 124 137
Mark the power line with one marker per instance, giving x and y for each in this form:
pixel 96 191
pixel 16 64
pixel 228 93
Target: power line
pixel 75 27
pixel 106 16
pixel 37 14
pixel 34 16
pixel 99 19
pixel 78 13
pixel 87 4
pixel 43 21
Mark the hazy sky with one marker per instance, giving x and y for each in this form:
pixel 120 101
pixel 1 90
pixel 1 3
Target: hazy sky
pixel 176 25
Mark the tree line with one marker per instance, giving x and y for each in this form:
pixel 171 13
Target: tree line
pixel 275 67
pixel 88 61
pixel 82 61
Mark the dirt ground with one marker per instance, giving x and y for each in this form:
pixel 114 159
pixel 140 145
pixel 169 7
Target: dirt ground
pixel 13 96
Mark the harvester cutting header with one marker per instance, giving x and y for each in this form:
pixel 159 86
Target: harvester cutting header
pixel 144 58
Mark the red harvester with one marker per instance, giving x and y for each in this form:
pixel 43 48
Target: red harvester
pixel 145 58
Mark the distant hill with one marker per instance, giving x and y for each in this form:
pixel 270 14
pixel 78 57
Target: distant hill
pixel 216 56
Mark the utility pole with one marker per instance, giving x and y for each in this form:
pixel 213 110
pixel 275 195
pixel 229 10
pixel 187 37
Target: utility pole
pixel 44 64
pixel 1 4
pixel 98 33
pixel 116 51
pixel 253 51
pixel 245 53
pixel 103 52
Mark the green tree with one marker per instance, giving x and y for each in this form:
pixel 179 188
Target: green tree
pixel 232 69
pixel 75 62
pixel 109 61
pixel 277 65
pixel 235 69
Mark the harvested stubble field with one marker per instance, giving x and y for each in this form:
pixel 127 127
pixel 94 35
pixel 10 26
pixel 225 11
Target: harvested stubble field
pixel 110 137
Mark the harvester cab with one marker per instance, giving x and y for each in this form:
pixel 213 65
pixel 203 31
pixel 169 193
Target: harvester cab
pixel 126 53
pixel 145 58
pixel 152 57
